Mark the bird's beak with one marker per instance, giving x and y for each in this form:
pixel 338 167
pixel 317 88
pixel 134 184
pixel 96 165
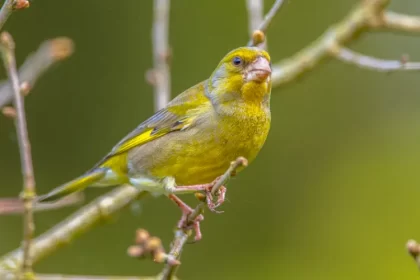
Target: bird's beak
pixel 259 70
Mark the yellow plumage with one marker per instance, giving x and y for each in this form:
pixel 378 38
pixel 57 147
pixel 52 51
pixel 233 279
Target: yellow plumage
pixel 197 135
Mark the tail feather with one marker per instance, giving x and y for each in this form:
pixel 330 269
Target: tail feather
pixel 76 185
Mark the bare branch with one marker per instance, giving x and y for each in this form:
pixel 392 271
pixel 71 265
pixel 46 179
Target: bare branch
pixel 180 239
pixel 161 54
pixel 6 11
pixel 255 17
pixel 48 54
pixel 372 63
pixel 234 165
pixel 255 14
pixel 7 46
pixel 360 19
pixel 399 22
pixel 267 20
pixel 83 220
pixel 15 206
pixel 182 235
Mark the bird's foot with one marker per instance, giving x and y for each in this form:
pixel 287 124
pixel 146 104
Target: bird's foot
pixel 220 193
pixel 189 219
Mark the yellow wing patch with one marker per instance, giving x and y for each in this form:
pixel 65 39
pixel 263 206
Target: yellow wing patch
pixel 139 139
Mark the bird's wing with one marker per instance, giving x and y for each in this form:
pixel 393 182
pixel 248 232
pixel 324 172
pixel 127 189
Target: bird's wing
pixel 179 114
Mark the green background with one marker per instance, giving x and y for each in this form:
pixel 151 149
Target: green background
pixel 334 194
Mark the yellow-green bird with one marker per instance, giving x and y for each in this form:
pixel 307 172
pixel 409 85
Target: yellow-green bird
pixel 194 139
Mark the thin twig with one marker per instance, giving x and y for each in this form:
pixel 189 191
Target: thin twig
pixel 400 22
pixel 6 11
pixel 8 7
pixel 267 20
pixel 83 220
pixel 239 162
pixel 161 54
pixel 15 206
pixel 372 63
pixel 357 22
pixel 180 239
pixel 181 235
pixel 367 16
pixel 48 54
pixel 255 17
pixel 29 192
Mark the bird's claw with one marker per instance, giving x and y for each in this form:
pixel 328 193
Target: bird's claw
pixel 184 223
pixel 211 204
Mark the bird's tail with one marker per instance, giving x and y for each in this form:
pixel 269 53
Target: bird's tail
pixel 76 185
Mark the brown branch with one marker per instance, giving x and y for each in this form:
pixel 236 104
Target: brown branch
pixel 399 22
pixel 7 46
pixel 83 220
pixel 6 11
pixel 161 54
pixel 182 235
pixel 267 21
pixel 48 54
pixel 255 17
pixel 372 63
pixel 15 206
pixel 8 7
pixel 367 15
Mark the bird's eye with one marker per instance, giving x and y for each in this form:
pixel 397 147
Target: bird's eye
pixel 237 61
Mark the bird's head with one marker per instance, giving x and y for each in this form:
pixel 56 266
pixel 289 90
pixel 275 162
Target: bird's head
pixel 243 73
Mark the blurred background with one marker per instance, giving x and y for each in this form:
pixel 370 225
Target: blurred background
pixel 333 195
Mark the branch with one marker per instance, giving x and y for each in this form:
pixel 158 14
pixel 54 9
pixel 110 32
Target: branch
pixel 8 7
pixel 182 235
pixel 83 220
pixel 15 206
pixel 161 53
pixel 255 17
pixel 262 28
pixel 398 22
pixel 367 15
pixel 7 46
pixel 372 63
pixel 48 54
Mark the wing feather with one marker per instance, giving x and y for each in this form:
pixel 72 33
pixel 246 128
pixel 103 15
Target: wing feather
pixel 178 115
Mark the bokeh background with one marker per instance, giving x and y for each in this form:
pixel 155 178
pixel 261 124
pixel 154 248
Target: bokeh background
pixel 334 194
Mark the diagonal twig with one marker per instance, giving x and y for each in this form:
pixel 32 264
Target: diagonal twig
pixel 48 54
pixel 255 17
pixel 372 63
pixel 8 7
pixel 83 220
pixel 267 21
pixel 182 235
pixel 15 206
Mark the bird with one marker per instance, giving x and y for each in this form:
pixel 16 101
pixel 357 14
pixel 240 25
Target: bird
pixel 195 137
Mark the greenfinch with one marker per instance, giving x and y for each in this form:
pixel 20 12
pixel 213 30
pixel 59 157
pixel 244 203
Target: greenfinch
pixel 194 139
